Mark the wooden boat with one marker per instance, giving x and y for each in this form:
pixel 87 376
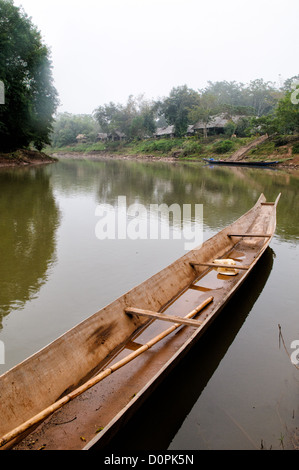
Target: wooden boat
pixel 77 392
pixel 213 161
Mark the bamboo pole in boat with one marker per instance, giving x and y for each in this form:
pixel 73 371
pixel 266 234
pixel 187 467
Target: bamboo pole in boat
pixel 227 266
pixel 37 419
pixel 250 235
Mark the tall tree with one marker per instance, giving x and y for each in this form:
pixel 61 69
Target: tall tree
pixel 261 96
pixel 177 106
pixel 256 98
pixel 226 93
pixel 287 113
pixel 108 116
pixel 67 127
pixel 26 71
pixel 284 119
pixel 205 110
pixel 135 119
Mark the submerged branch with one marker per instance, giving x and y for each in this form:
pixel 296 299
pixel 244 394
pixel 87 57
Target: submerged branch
pixel 280 337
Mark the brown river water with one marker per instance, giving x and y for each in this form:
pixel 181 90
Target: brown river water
pixel 55 271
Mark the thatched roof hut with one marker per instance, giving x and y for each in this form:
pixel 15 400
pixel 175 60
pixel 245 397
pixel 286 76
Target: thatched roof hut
pixel 81 138
pixel 217 122
pixel 116 135
pixel 167 131
pixel 102 137
pixel 190 130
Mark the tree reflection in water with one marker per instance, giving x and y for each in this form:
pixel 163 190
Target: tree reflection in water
pixel 29 218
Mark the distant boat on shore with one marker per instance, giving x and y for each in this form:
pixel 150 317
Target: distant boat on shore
pixel 239 163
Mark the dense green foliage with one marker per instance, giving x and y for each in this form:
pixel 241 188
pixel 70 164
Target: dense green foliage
pixel 284 118
pixel 261 107
pixel 295 149
pixel 177 107
pixel 135 119
pixel 287 114
pixel 138 119
pixel 161 145
pixel 25 69
pixel 68 126
pixel 224 146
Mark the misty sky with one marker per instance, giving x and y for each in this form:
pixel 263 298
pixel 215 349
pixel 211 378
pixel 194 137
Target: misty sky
pixel 105 50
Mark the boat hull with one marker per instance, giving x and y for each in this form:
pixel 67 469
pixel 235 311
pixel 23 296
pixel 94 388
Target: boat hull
pixel 240 163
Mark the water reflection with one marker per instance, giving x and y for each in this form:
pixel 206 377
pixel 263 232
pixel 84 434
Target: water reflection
pixel 28 221
pixel 225 192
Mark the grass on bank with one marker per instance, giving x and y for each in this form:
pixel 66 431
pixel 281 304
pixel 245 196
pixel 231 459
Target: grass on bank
pixel 191 148
pixel 179 147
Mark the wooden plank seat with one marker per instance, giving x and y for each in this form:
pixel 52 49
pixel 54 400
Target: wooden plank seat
pixel 187 320
pixel 162 316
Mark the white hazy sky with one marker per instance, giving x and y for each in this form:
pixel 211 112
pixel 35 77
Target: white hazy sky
pixel 105 50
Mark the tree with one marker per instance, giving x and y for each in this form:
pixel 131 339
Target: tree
pixel 285 117
pixel 256 98
pixel 107 116
pixel 263 125
pixel 135 119
pixel 142 121
pixel 177 106
pixel 290 83
pixel 226 93
pixel 205 110
pixel 261 96
pixel 287 113
pixel 68 126
pixel 26 71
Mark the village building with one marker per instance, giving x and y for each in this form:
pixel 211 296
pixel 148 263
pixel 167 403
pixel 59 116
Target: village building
pixel 81 139
pixel 167 131
pixel 217 124
pixel 102 137
pixel 190 131
pixel 116 136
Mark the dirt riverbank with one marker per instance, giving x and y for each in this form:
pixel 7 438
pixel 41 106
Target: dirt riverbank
pixel 32 157
pixel 24 158
pixel 113 156
pixel 287 161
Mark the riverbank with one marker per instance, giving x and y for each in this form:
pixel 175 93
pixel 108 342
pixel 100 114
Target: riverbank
pixel 286 162
pixel 102 155
pixel 283 149
pixel 24 158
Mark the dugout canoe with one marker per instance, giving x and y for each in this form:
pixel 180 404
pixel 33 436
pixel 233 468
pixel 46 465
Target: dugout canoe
pixel 260 163
pixel 77 392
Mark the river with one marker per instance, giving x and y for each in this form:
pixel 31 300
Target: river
pixel 55 271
